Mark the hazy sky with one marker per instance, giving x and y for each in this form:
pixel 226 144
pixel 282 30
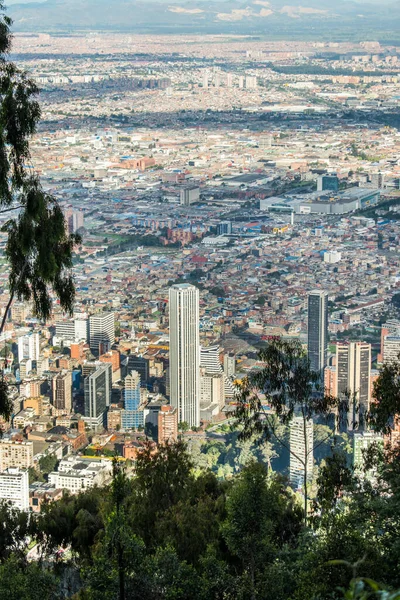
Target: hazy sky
pixel 10 2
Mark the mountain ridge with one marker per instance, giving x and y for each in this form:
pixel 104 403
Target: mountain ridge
pixel 224 16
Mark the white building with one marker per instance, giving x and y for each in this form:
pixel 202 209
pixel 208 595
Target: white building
pixel 391 349
pixel 76 474
pixel 332 256
pixel 301 451
pixel 101 332
pixel 229 365
pixel 14 488
pixel 215 384
pixel 209 359
pixel 184 363
pixel 28 347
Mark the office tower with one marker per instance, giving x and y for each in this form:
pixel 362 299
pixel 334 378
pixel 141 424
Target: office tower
pixel 241 82
pixel 16 454
pixel 28 347
pixel 72 330
pixel 101 332
pixel 205 80
pixel 42 365
pixel 212 391
pixel 65 331
pixel 62 391
pixel 189 194
pixel 215 383
pixel 377 180
pixel 225 227
pixel 217 80
pixel 74 219
pixel 14 488
pixel 353 379
pixel 185 352
pixel 139 364
pixel 81 330
pixel 209 359
pixel 392 328
pixel 131 416
pixel 391 349
pixel 167 425
pixel 97 394
pixel 229 80
pixel 229 365
pixel 318 330
pixel 301 451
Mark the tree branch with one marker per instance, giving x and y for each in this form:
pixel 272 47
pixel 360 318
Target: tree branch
pixel 3 322
pixel 10 209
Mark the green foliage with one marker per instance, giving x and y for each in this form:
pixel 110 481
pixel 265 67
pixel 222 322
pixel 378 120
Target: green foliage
pixel 38 248
pixel 15 527
pixel 334 477
pixel 168 535
pixel 261 517
pixel 26 581
pixel 386 408
pixel 48 463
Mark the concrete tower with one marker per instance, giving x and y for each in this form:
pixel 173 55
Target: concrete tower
pixel 184 352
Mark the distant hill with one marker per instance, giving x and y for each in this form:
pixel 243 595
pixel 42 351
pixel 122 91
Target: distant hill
pixel 314 19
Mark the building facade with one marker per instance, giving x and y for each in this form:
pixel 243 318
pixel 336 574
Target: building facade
pixel 101 332
pixel 14 488
pixel 318 330
pixel 132 417
pixel 167 425
pixel 301 451
pixel 15 454
pixel 97 394
pixel 353 380
pixel 184 367
pixel 62 391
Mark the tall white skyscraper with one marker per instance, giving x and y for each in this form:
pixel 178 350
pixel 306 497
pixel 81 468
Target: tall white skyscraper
pixel 184 352
pixel 318 330
pixel 301 450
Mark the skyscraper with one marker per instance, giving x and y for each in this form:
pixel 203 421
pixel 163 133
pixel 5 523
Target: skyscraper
pixel 131 416
pixel 97 387
pixel 101 332
pixel 353 379
pixel 185 352
pixel 301 450
pixel 62 391
pixel 318 330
